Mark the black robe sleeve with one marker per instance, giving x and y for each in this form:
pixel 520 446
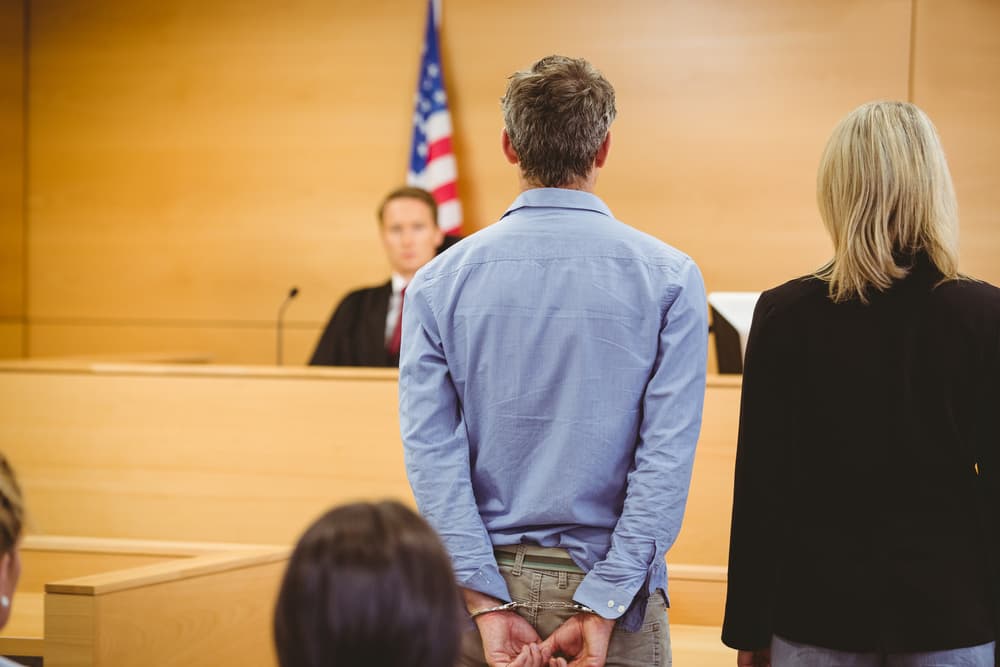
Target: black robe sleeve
pixel 355 334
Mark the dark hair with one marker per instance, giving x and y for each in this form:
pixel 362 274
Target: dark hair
pixel 557 115
pixel 368 584
pixel 408 192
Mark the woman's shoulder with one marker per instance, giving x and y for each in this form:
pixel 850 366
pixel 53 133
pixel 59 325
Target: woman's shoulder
pixel 792 295
pixel 968 299
pixel 968 288
pixel 790 306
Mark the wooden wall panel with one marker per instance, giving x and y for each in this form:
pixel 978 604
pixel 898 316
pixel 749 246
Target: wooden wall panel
pixel 11 163
pixel 189 161
pixel 192 159
pixel 11 339
pixel 724 109
pixel 956 80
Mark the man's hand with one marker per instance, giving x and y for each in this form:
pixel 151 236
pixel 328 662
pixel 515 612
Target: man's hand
pixel 759 658
pixel 583 639
pixel 508 639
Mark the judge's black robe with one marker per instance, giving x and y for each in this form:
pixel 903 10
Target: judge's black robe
pixel 355 334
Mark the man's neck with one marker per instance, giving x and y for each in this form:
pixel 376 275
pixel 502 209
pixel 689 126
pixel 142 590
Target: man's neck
pixel 587 184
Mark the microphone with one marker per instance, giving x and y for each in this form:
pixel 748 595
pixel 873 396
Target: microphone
pixel 292 293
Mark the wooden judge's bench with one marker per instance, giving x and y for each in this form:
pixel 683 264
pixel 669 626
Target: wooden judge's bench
pixel 163 500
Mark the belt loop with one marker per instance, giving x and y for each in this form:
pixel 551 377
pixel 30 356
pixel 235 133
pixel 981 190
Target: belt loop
pixel 563 580
pixel 519 560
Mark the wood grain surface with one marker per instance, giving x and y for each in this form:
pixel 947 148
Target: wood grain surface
pixel 188 163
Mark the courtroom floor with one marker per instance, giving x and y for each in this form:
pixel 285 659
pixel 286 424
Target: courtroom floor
pixel 699 646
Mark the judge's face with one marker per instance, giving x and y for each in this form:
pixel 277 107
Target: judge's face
pixel 409 234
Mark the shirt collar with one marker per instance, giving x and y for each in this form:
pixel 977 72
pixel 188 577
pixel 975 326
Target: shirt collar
pixel 398 283
pixel 558 198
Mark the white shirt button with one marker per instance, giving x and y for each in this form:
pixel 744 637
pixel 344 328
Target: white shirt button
pixel 611 603
pixel 621 609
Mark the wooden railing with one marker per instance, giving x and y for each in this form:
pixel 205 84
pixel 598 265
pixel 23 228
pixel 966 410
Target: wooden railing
pixel 90 602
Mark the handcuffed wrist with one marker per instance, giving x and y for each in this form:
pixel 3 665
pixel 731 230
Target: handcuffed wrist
pixel 511 606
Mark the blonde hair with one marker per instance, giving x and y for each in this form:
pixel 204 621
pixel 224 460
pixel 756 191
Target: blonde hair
pixel 885 194
pixel 11 507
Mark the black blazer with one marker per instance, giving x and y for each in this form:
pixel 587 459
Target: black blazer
pixel 355 334
pixel 859 520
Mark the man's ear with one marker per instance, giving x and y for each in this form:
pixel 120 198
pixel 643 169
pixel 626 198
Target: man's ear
pixel 602 152
pixel 508 148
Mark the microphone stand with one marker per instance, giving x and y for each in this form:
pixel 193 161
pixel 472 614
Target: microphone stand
pixel 292 293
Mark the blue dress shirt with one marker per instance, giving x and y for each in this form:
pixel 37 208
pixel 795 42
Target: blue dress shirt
pixel 551 383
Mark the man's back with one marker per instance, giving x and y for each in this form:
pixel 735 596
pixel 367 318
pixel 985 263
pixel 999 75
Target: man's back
pixel 550 322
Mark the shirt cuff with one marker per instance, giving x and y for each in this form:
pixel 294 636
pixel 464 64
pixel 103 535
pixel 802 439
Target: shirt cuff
pixel 608 600
pixel 488 581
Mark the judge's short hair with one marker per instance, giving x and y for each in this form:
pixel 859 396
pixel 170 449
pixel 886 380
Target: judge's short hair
pixel 409 192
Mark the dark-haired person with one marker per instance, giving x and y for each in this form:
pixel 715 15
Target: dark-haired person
pixel 551 387
pixel 368 584
pixel 11 523
pixel 866 515
pixel 364 328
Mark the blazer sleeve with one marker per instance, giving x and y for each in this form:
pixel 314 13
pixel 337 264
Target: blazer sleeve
pixel 988 465
pixel 765 426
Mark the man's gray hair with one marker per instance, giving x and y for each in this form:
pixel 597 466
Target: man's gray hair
pixel 557 114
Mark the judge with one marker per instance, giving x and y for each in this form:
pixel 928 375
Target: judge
pixel 364 328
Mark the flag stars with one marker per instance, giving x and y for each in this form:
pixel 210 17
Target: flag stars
pixel 439 96
pixel 433 70
pixel 422 150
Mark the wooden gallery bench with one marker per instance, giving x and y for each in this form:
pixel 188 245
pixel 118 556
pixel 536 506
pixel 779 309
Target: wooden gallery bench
pixel 254 454
pixel 141 603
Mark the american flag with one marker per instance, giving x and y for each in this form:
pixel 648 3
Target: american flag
pixel 432 162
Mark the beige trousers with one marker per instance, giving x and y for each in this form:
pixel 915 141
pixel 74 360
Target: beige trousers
pixel 537 574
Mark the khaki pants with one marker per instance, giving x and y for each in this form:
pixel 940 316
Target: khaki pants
pixel 536 574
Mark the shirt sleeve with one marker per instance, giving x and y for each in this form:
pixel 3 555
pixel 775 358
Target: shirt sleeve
pixel 436 447
pixel 657 486
pixel 763 427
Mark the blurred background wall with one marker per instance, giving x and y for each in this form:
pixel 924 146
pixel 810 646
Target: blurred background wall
pixel 168 170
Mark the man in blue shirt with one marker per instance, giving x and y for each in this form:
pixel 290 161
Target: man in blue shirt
pixel 551 384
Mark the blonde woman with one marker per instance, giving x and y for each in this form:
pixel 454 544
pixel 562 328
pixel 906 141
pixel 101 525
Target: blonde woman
pixel 866 507
pixel 11 521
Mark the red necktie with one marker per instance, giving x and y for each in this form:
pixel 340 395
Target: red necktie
pixel 397 333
